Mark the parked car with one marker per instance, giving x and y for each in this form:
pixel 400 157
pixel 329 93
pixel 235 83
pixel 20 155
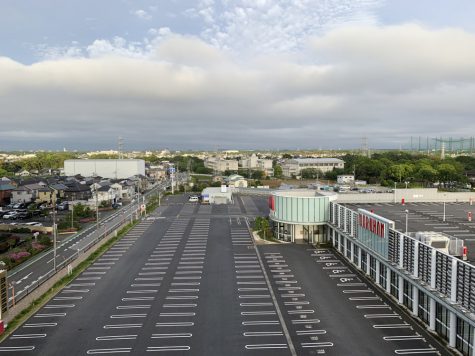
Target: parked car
pixel 62 206
pixel 24 215
pixel 19 206
pixel 12 215
pixel 33 223
pixel 193 199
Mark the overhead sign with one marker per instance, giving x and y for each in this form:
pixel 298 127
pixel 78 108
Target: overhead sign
pixel 171 170
pixel 373 231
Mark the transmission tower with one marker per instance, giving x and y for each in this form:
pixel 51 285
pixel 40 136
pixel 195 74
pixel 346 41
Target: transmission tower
pixel 120 145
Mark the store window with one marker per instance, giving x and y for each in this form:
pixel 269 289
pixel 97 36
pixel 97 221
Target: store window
pixel 442 321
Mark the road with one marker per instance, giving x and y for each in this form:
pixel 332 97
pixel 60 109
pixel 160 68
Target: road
pixel 189 280
pixel 26 276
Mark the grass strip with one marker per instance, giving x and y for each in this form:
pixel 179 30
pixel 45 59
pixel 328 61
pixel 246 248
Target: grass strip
pixel 59 285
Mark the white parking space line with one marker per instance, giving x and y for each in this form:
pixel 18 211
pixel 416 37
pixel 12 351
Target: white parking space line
pixel 122 326
pixel 16 348
pixel 116 337
pixel 316 344
pixel 263 333
pixel 175 324
pixel 168 336
pixel 378 316
pixel 416 351
pixel 167 348
pixel 27 336
pixel 48 315
pixel 266 346
pixel 310 332
pixel 393 326
pixel 39 325
pixel 403 338
pixel 109 351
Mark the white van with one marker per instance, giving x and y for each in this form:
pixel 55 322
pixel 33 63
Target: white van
pixel 193 199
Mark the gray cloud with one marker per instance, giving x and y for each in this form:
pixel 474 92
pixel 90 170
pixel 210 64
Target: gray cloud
pixel 387 83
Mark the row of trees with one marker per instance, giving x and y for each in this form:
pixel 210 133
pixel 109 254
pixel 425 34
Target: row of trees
pixel 389 167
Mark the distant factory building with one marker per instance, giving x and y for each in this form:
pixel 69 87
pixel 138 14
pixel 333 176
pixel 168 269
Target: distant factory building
pixel 105 168
pixel 220 165
pixel 293 167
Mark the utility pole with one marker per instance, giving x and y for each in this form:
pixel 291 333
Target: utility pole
pixel 54 237
pixel 97 209
pixel 72 216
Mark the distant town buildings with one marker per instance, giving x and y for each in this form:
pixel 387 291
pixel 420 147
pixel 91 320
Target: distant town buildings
pixel 255 163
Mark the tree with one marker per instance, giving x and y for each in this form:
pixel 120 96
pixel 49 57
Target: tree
pixel 257 175
pixel 400 172
pixel 286 156
pixel 426 174
pixel 278 171
pixel 447 173
pixel 311 173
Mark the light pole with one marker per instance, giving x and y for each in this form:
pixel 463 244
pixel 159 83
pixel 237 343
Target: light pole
pixel 443 219
pixel 54 237
pixel 407 218
pixel 72 216
pixel 395 192
pixel 406 183
pixel 97 209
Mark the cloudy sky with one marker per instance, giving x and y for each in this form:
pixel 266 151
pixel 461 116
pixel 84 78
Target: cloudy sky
pixel 220 74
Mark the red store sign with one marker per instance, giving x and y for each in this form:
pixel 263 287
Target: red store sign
pixel 371 224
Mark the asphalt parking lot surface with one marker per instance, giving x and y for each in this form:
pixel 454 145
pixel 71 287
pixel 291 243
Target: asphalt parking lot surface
pixel 188 280
pixel 430 217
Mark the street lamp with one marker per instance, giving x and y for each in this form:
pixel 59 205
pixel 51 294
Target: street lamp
pixel 443 219
pixel 406 182
pixel 407 218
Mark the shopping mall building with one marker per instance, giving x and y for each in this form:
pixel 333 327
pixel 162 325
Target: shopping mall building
pixel 434 287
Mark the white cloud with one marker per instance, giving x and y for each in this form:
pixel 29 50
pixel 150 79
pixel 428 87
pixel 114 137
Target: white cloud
pixel 142 14
pixel 382 82
pixel 269 26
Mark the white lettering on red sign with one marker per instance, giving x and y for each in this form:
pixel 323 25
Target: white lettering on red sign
pixel 373 225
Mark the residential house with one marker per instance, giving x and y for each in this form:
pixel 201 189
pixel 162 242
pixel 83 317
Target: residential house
pixel 27 193
pixel 236 181
pixel 5 193
pixel 77 191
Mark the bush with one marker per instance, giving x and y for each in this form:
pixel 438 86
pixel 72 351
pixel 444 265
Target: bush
pixel 18 256
pixel 21 230
pixel 44 240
